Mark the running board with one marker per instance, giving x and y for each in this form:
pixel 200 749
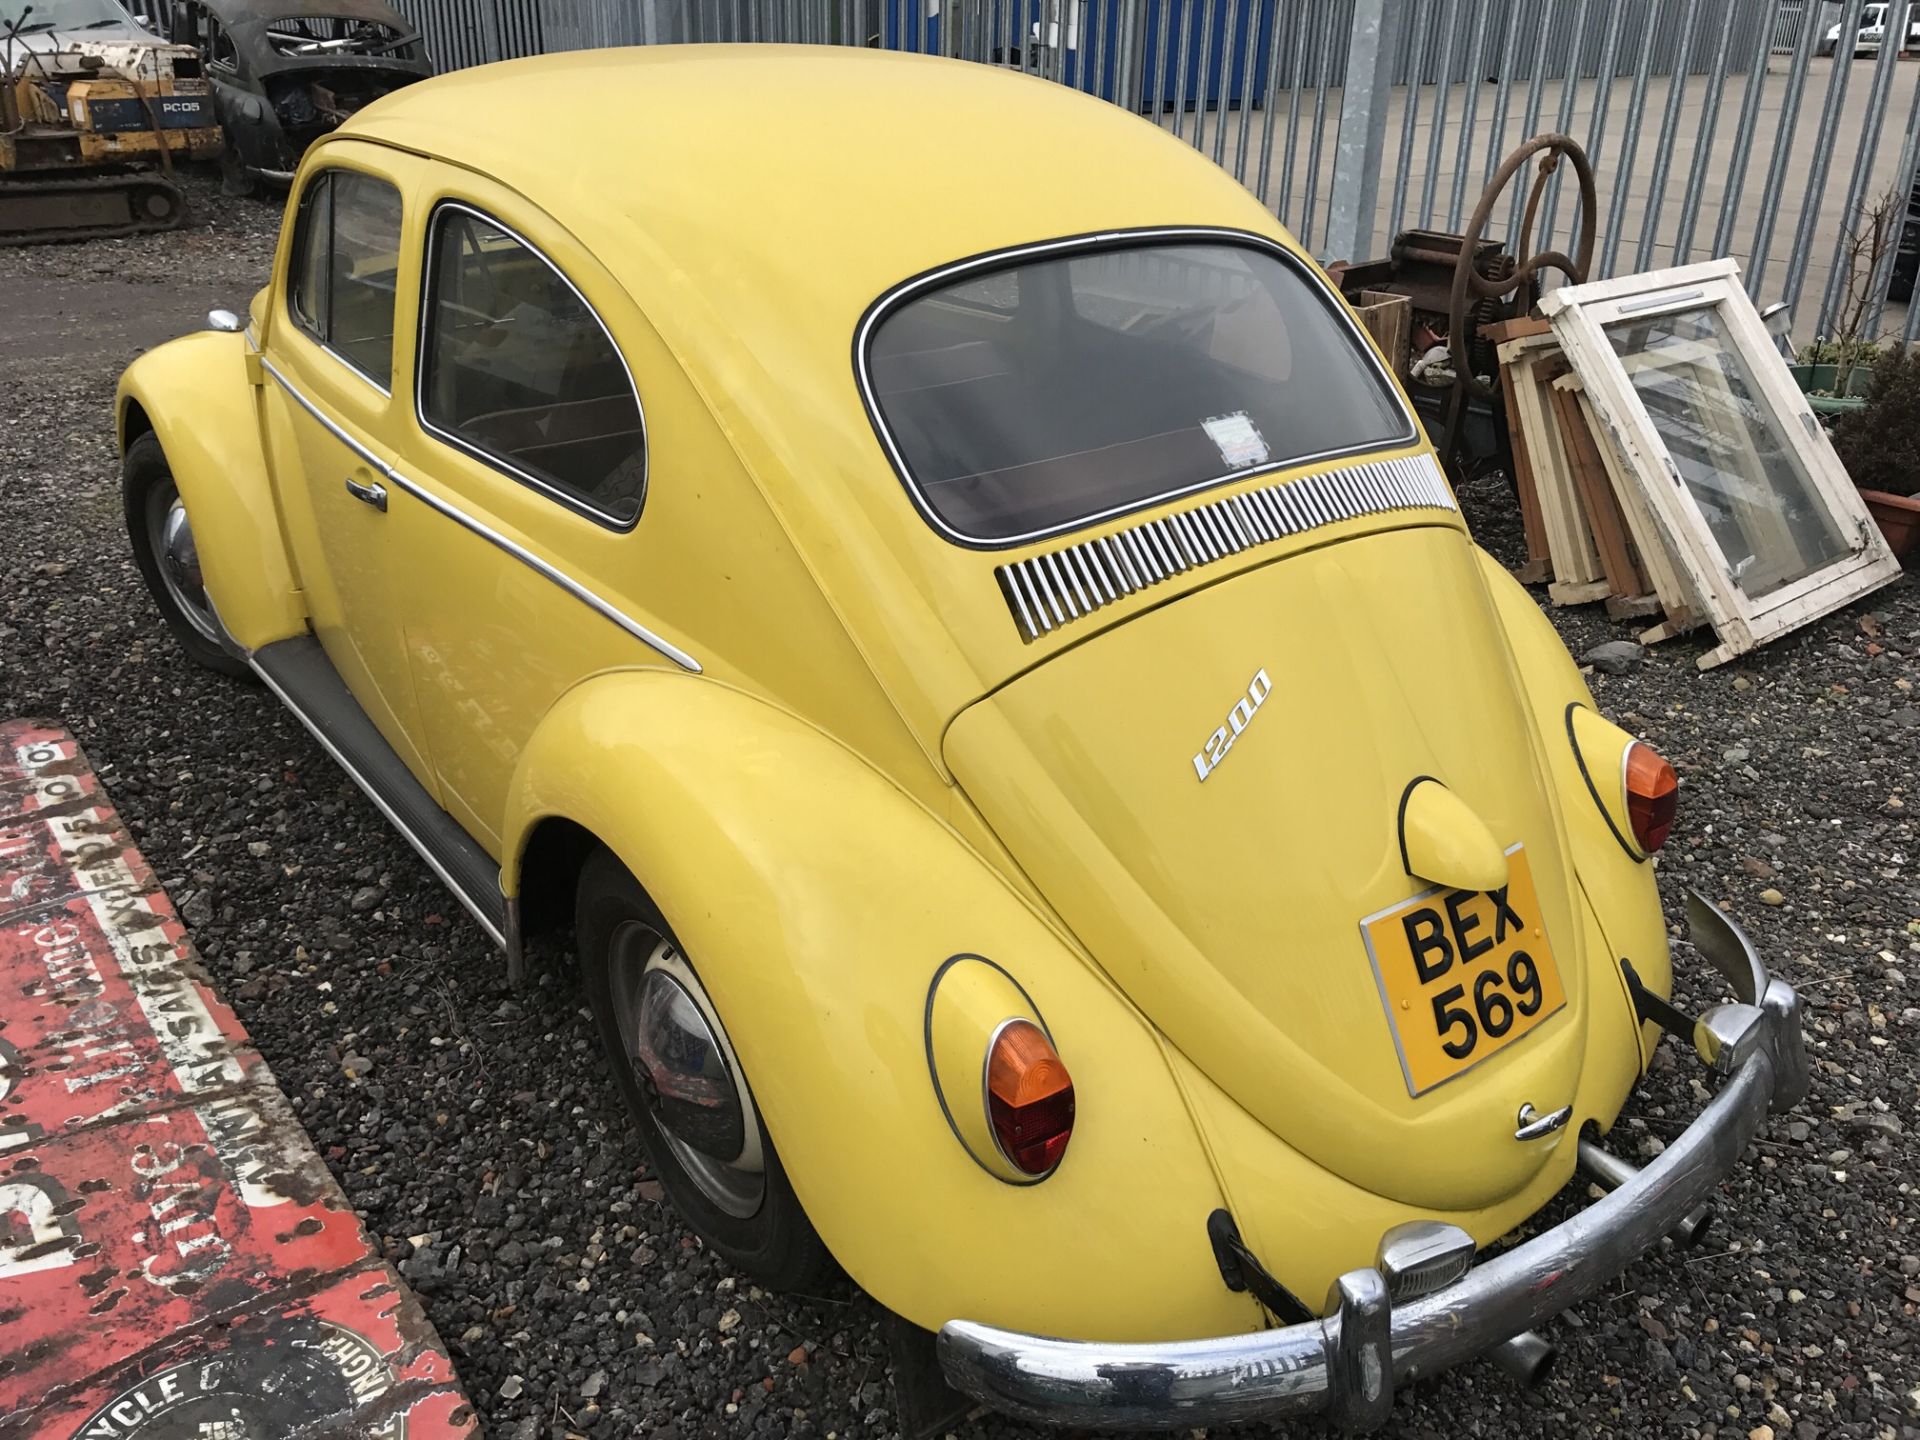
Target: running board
pixel 299 672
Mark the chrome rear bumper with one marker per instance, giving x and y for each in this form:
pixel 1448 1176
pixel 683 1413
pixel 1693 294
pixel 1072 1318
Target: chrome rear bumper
pixel 1347 1364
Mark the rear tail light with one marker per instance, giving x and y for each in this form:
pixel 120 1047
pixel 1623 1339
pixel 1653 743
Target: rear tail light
pixel 1029 1097
pixel 1653 792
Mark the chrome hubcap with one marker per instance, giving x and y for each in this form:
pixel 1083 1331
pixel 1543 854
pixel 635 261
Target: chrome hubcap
pixel 686 1070
pixel 183 558
pixel 172 536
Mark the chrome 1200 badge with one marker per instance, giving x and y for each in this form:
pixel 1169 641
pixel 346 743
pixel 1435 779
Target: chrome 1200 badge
pixel 1238 718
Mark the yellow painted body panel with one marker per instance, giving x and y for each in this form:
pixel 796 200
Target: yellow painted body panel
pixel 756 286
pixel 820 901
pixel 195 394
pixel 707 567
pixel 1309 1226
pixel 872 773
pixel 1620 889
pixel 352 560
pixel 1445 842
pixel 1230 910
pixel 971 998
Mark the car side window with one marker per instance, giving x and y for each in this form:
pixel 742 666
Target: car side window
pixel 312 242
pixel 346 254
pixel 219 46
pixel 517 369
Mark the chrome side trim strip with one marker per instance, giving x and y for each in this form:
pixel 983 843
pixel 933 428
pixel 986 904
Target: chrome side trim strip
pixel 1202 534
pixel 327 422
pixel 393 819
pixel 486 532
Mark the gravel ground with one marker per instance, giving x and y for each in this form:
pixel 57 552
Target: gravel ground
pixel 479 1134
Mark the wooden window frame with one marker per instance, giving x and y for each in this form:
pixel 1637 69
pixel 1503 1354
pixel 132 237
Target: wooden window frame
pixel 1579 315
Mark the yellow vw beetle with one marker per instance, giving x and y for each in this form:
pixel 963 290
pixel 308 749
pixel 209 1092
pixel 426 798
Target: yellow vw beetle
pixel 1056 812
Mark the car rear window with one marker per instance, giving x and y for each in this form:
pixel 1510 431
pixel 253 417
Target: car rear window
pixel 1029 397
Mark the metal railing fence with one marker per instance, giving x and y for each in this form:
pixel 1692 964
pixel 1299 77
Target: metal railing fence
pixel 1714 126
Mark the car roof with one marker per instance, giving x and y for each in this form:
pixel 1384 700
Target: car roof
pixel 832 165
pixel 754 201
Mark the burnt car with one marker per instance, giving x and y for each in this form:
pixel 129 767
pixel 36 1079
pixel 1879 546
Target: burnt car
pixel 286 72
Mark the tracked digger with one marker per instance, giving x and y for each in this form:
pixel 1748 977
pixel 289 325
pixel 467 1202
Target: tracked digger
pixel 94 112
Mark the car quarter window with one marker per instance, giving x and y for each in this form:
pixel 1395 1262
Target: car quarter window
pixel 346 252
pixel 517 368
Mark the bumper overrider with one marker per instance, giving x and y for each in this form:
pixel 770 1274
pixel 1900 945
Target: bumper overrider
pixel 1347 1364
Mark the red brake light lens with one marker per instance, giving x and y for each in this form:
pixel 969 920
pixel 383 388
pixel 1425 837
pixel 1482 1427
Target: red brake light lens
pixel 1653 793
pixel 1029 1098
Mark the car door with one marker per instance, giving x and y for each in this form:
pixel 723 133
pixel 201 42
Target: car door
pixel 528 433
pixel 330 357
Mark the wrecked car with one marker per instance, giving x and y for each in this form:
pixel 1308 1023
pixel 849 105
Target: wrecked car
pixel 286 72
pixel 1055 812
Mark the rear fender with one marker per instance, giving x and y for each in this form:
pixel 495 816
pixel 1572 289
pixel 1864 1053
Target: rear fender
pixel 817 902
pixel 195 393
pixel 1620 887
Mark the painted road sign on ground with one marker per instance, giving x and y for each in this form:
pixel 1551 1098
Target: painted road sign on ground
pixel 176 1263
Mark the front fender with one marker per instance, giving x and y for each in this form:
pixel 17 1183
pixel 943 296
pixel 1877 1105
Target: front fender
pixel 196 395
pixel 817 901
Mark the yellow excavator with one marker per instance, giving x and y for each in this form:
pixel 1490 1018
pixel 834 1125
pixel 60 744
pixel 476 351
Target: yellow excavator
pixel 94 111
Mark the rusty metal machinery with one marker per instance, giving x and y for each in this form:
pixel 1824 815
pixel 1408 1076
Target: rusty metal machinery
pixel 86 207
pixel 1457 285
pixel 1483 294
pixel 89 132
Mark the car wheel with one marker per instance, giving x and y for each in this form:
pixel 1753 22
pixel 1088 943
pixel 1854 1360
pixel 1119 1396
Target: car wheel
pixel 169 561
pixel 1823 49
pixel 684 1085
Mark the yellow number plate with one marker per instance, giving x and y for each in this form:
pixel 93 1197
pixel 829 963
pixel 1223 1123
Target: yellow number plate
pixel 1463 974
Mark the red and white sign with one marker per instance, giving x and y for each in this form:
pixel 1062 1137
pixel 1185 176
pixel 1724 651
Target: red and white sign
pixel 176 1263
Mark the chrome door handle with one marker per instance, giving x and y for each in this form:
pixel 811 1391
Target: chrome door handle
pixel 374 494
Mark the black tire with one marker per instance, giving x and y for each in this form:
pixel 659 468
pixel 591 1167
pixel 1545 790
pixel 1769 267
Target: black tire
pixel 146 485
pixel 776 1245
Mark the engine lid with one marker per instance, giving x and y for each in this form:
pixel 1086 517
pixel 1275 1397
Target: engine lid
pixel 1211 796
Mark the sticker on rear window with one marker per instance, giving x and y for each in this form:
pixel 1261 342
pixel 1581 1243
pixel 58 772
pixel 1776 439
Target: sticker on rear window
pixel 1238 440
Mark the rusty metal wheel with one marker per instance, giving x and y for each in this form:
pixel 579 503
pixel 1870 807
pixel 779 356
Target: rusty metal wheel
pixel 1471 288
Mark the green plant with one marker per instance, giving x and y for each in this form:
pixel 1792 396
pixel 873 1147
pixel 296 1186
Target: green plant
pixel 1880 443
pixel 1840 352
pixel 1864 245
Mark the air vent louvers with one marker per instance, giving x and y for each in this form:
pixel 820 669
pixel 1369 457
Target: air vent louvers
pixel 1056 587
